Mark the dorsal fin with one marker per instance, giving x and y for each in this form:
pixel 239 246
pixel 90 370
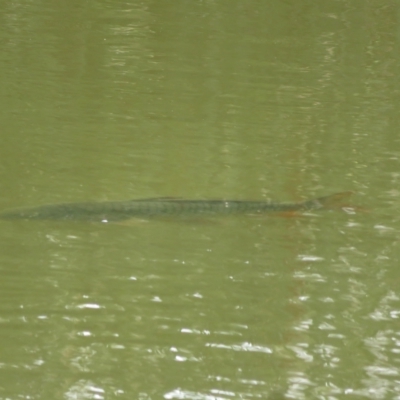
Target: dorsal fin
pixel 158 198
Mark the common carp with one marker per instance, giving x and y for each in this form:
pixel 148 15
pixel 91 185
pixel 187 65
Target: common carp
pixel 116 211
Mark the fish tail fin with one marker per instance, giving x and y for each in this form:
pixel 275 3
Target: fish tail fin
pixel 332 201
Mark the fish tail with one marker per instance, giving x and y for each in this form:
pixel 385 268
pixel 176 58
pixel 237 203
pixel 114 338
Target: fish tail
pixel 336 200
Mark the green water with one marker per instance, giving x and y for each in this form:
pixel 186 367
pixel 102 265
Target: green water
pixel 290 100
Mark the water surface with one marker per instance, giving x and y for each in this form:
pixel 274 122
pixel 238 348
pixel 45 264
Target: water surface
pixel 241 100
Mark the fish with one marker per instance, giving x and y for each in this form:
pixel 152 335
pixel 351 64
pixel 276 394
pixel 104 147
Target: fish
pixel 117 211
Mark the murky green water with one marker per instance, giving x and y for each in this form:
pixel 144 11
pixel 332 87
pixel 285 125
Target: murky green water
pixel 209 99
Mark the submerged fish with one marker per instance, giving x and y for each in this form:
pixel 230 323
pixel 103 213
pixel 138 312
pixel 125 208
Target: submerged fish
pixel 115 211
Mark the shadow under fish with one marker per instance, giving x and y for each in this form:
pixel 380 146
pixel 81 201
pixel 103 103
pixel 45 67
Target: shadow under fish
pixel 118 211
